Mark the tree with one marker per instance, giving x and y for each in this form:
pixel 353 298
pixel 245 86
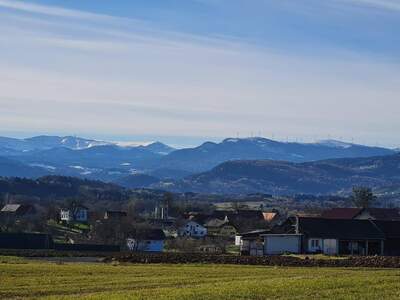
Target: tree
pixel 363 197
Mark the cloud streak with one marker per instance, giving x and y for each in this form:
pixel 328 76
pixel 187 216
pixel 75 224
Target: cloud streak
pixel 52 11
pixel 393 5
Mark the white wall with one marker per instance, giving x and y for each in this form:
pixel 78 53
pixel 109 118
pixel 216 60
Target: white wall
pixel 279 244
pixel 238 240
pixel 330 247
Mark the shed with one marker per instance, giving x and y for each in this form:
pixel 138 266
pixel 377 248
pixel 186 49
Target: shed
pixel 281 243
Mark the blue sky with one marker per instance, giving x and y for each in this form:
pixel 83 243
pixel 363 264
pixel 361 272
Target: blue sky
pixel 191 70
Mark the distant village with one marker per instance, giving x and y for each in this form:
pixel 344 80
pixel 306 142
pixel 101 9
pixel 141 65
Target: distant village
pixel 363 230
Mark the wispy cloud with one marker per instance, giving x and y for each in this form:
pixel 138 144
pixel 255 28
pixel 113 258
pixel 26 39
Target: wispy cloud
pixel 51 10
pixel 384 4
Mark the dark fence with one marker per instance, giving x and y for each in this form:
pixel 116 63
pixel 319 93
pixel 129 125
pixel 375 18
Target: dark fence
pixel 86 247
pixel 37 241
pixel 26 241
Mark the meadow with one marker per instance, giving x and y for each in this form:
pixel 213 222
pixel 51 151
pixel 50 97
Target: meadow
pixel 25 279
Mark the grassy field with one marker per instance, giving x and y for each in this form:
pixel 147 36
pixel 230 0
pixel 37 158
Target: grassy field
pixel 20 279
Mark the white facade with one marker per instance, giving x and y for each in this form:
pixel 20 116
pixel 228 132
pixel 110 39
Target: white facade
pixel 193 229
pixel 238 240
pixel 145 245
pixel 275 244
pixel 325 246
pixel 81 215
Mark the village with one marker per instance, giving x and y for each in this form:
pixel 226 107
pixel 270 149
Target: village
pixel 363 231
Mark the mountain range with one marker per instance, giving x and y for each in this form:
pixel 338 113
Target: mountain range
pixel 336 176
pixel 211 167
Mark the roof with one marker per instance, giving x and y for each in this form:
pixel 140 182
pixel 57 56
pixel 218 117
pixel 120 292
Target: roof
pixel 254 233
pixel 16 208
pixel 385 214
pixel 215 223
pixel 116 213
pixel 269 216
pixel 339 229
pixel 391 229
pixel 148 234
pixel 77 207
pixel 11 207
pixel 341 213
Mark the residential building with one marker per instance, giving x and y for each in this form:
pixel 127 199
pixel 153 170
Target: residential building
pixel 222 228
pixel 18 210
pixel 147 240
pixel 78 214
pixel 192 229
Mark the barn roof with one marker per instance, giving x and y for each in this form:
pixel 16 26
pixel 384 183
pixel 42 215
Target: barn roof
pixel 341 213
pixel 339 229
pixel 384 214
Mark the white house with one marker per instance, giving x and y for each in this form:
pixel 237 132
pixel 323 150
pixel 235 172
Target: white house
pixel 78 214
pixel 150 240
pixel 193 229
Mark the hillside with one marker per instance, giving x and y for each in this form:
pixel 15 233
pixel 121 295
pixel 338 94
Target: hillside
pixel 283 178
pixel 56 187
pixel 13 168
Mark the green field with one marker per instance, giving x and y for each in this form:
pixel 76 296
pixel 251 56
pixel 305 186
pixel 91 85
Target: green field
pixel 20 279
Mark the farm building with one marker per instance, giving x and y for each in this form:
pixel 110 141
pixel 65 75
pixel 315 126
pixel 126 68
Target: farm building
pixel 380 214
pixel 334 236
pixel 328 236
pixel 147 240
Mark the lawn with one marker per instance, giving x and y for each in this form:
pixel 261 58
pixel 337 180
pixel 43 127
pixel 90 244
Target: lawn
pixel 20 279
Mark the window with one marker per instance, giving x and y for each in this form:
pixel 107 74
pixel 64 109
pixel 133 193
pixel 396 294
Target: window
pixel 315 243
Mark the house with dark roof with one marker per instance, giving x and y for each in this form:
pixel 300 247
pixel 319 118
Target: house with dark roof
pixel 18 210
pixel 381 214
pixel 328 236
pixel 340 236
pixel 221 228
pixel 146 240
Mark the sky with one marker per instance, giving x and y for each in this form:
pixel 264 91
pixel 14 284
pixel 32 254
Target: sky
pixel 185 71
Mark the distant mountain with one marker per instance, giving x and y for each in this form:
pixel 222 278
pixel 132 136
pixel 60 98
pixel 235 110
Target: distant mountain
pixel 284 178
pixel 158 148
pixel 209 154
pixel 46 142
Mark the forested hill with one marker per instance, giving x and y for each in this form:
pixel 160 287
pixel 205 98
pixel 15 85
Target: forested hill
pixel 57 187
pixel 286 178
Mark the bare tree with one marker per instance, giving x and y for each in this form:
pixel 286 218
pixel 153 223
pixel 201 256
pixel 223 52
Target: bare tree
pixel 363 197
